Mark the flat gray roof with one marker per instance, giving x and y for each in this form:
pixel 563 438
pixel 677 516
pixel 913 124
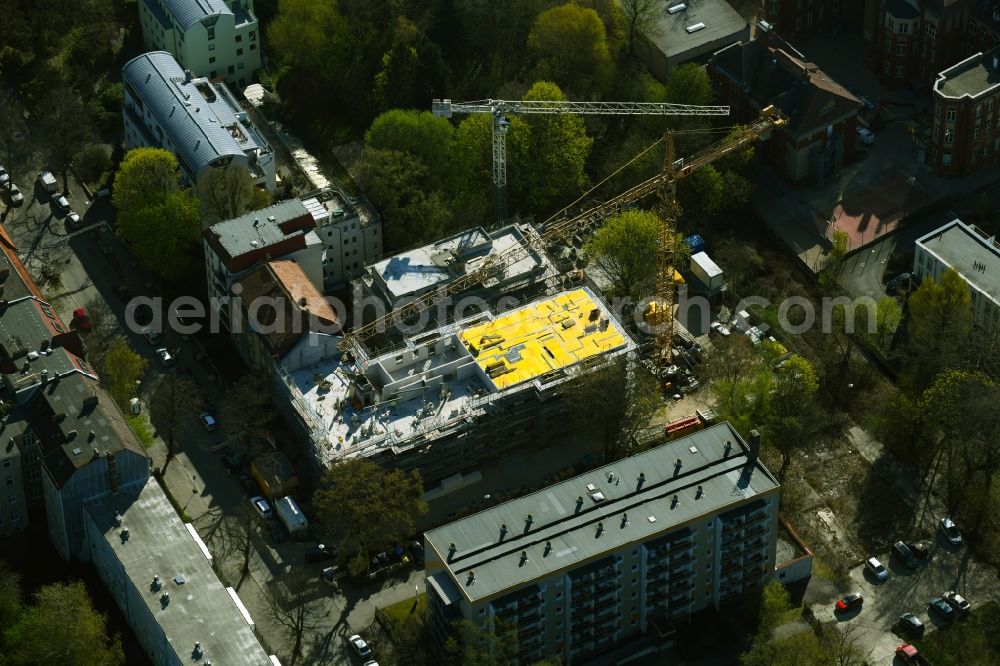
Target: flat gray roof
pixel 256 229
pixel 973 76
pixel 572 527
pixel 159 544
pixel 960 247
pixel 718 17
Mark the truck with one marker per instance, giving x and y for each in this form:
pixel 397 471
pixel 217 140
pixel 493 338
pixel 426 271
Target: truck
pixel 707 272
pixel 48 182
pixel 291 516
pixel 275 474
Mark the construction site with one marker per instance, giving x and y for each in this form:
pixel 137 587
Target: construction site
pixel 456 396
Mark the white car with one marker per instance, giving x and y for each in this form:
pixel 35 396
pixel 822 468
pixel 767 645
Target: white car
pixel 16 198
pixel 950 531
pixel 72 220
pixel 261 506
pixel 4 177
pixel 360 646
pixel 877 569
pixel 165 358
pixel 866 136
pixel 720 328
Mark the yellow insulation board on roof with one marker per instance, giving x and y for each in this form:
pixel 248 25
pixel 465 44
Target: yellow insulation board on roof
pixel 544 336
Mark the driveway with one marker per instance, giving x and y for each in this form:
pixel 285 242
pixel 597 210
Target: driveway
pixel 909 591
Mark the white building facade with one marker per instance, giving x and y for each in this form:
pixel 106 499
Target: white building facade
pixel 351 234
pixel 217 39
pixel 200 122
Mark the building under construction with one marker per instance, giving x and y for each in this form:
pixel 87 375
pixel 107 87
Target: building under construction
pixel 454 396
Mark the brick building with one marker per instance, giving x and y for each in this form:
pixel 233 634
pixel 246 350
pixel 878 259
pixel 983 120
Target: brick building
pixel 803 17
pixel 965 135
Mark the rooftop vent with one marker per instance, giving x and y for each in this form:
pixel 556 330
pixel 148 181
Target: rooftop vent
pixel 124 534
pixel 271 218
pixel 693 449
pixel 471 579
pixel 674 502
pixel 156 582
pixel 597 497
pixel 600 529
pixel 524 557
pixel 548 547
pixel 676 8
pixel 699 493
pixel 118 521
pixel 591 487
pixel 77 451
pixel 691 29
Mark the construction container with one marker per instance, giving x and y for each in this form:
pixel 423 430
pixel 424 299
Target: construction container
pixel 291 517
pixel 707 272
pixel 683 426
pixel 275 474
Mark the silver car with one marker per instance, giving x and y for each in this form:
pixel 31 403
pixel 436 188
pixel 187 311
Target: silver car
pixel 950 531
pixel 4 177
pixel 877 570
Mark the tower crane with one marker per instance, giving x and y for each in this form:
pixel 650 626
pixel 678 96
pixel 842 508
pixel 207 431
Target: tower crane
pixel 555 230
pixel 499 109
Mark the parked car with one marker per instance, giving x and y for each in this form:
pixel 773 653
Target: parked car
pixel 908 654
pixel 248 483
pixel 48 182
pixel 261 506
pixel 4 177
pixel 866 136
pixel 940 607
pixel 957 601
pixel 904 554
pixel 208 422
pixel 61 203
pixel 877 569
pixel 850 601
pixel 73 221
pixel 950 531
pixel 370 662
pixel 165 358
pixel 920 549
pixel 81 319
pixel 16 198
pixel 360 647
pixel 320 553
pixel 417 552
pixel 911 624
pixel 151 335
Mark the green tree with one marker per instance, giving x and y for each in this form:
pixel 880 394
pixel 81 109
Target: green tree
pixel 689 84
pixel 625 248
pixel 411 70
pixel 246 410
pixel 938 323
pixel 63 129
pixel 888 314
pixel 571 47
pixel 161 220
pixel 471 179
pixel 62 627
pixel 122 368
pixel 367 508
pixel 419 133
pixel 10 596
pixel 395 182
pixel 312 37
pixel 92 162
pixel 547 155
pixel 703 192
pixel 481 644
pixel 839 245
pixel 775 602
pixel 741 263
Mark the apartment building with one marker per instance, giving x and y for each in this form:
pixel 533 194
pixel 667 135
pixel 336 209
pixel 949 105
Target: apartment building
pixel 915 39
pixel 217 39
pixel 451 396
pixel 350 230
pixel 197 120
pixel 820 135
pixel 689 31
pixel 630 548
pixel 965 135
pixel 803 17
pixel 971 253
pixel 285 230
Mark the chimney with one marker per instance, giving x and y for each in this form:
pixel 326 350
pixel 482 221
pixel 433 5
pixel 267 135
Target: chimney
pixel 729 447
pixel 699 493
pixel 754 444
pixel 600 529
pixel 187 76
pixel 451 551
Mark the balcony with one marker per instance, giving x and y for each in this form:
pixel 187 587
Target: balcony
pixel 605 603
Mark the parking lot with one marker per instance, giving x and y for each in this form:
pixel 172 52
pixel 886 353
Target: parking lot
pixel 947 568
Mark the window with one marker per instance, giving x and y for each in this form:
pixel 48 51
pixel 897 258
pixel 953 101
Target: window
pixel 979 110
pixel 253 35
pixel 809 18
pixel 211 46
pixel 240 65
pixel 930 56
pixel 931 30
pixel 975 133
pixel 6 463
pixel 900 71
pixel 888 43
pixel 253 47
pixel 212 74
pixel 889 23
pixel 904 28
pixel 10 481
pixel 211 60
pixel 937 110
pixel 989 105
pixel 12 499
pixel 901 48
pixel 949 136
pixel 951 114
pixel 819 14
pixel 239 38
pixel 772 6
pixel 886 67
pixel 836 5
pixel 232 69
pixel 946 159
pixel 239 52
pixel 211 32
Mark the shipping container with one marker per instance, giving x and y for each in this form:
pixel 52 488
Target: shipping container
pixel 707 272
pixel 291 516
pixel 275 474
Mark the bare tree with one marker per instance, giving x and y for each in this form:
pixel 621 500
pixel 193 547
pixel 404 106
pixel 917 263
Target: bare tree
pixel 236 538
pixel 228 192
pixel 246 409
pixel 641 19
pixel 175 400
pixel 299 607
pixel 64 129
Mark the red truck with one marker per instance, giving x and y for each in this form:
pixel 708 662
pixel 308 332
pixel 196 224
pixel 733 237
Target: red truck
pixel 909 654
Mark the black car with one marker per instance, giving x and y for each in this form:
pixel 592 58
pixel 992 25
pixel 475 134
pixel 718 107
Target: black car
pixel 417 552
pixel 911 625
pixel 320 553
pixel 920 549
pixel 904 555
pixel 942 609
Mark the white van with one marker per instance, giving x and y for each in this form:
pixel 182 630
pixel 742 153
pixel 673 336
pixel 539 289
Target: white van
pixel 48 182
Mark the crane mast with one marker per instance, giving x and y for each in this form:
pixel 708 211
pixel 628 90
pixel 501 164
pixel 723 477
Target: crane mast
pixel 556 230
pixel 499 109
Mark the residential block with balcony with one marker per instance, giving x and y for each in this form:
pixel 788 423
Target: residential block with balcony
pixel 965 135
pixel 581 567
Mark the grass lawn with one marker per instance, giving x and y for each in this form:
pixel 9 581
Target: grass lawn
pixel 968 642
pixel 399 612
pixel 142 429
